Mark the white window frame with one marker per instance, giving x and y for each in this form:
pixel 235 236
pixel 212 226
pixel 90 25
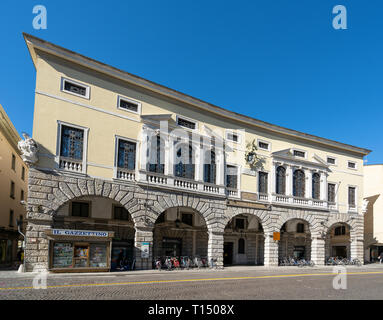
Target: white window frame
pixel 119 98
pixel 116 138
pixel 84 146
pixel 264 141
pixel 234 132
pixel 87 95
pixel 268 180
pixel 354 162
pixel 331 164
pixel 187 119
pixel 238 175
pixel 300 150
pixel 336 191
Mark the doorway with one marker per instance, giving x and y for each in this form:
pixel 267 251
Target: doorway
pixel 228 253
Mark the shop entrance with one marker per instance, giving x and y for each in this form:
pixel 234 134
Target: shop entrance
pixel 122 255
pixel 172 247
pixel 228 253
pixel 299 252
pixel 340 251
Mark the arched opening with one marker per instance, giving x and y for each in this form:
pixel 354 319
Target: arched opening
pixel 98 215
pixel 184 161
pixel 244 241
pixel 299 184
pixel 295 241
pixel 316 185
pixel 281 180
pixel 180 232
pixel 338 241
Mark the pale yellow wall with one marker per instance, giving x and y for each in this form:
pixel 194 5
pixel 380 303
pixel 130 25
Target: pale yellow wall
pixel 6 176
pixel 373 190
pixel 50 107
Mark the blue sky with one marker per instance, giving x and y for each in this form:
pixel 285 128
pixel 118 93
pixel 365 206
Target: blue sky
pixel 278 61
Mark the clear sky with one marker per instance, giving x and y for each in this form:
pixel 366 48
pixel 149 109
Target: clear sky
pixel 278 61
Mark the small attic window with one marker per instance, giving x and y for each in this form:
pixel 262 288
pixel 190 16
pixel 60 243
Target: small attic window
pixel 129 105
pixel 186 123
pixel 75 88
pixel 300 154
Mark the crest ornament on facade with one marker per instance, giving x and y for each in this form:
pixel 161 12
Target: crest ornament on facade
pixel 29 149
pixel 251 156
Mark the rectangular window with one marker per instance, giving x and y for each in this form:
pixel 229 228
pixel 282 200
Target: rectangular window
pixel 340 231
pixel 262 183
pixel 23 173
pixel 231 177
pixel 186 123
pixel 11 218
pixel 187 218
pixel 300 154
pixel 76 88
pixel 72 141
pixel 351 197
pixel 13 162
pixel 126 154
pixel 80 209
pixel 232 137
pixel 330 160
pixel 263 145
pixel 331 192
pixel 22 195
pixel 12 193
pixel 352 165
pixel 120 213
pixel 129 105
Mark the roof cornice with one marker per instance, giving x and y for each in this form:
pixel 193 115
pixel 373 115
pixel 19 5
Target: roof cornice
pixel 9 130
pixel 48 47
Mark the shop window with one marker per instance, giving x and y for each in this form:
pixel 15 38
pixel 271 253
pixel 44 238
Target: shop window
pixel 187 218
pixel 98 256
pixel 120 213
pixel 241 246
pixel 300 228
pixel 340 231
pixel 80 209
pixel 240 223
pixel 62 255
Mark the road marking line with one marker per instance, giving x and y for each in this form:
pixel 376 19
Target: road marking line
pixel 192 280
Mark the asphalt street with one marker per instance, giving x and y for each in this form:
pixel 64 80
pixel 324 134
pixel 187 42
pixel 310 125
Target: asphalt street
pixel 235 283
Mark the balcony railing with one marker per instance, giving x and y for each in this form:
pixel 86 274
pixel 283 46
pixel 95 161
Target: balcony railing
pixel 126 174
pixel 70 164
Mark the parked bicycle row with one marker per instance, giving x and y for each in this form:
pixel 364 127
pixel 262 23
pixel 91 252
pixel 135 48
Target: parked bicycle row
pixel 183 262
pixel 292 261
pixel 333 261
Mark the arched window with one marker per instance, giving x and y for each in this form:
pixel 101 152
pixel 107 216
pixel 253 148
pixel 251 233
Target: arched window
pixel 316 185
pixel 156 155
pixel 299 183
pixel 300 228
pixel 340 231
pixel 281 180
pixel 184 166
pixel 209 173
pixel 241 245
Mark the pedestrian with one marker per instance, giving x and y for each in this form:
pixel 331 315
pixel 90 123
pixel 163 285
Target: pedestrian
pixel 380 257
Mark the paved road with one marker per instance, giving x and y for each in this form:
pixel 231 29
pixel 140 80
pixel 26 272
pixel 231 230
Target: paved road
pixel 236 283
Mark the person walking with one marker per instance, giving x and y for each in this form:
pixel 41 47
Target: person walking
pixel 380 257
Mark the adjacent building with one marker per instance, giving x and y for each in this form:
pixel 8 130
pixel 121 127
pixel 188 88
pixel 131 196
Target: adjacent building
pixel 13 190
pixel 373 219
pixel 132 170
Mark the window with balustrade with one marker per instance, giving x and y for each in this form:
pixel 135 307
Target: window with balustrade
pixel 331 192
pixel 262 182
pixel 72 143
pixel 281 180
pixel 209 174
pixel 299 184
pixel 231 177
pixel 184 167
pixel 156 155
pixel 316 186
pixel 126 154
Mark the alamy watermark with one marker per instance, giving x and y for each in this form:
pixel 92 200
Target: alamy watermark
pixel 40 280
pixel 340 20
pixel 40 20
pixel 340 280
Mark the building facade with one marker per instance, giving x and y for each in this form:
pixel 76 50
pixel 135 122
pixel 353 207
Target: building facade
pixel 129 169
pixel 373 218
pixel 13 190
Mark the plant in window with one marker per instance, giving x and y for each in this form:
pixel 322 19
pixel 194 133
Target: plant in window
pixel 251 157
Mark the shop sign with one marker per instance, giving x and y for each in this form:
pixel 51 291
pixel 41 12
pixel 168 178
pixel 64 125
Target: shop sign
pixel 79 233
pixel 145 250
pixel 276 236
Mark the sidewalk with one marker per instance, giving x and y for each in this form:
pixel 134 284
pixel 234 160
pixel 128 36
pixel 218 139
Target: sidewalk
pixel 13 274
